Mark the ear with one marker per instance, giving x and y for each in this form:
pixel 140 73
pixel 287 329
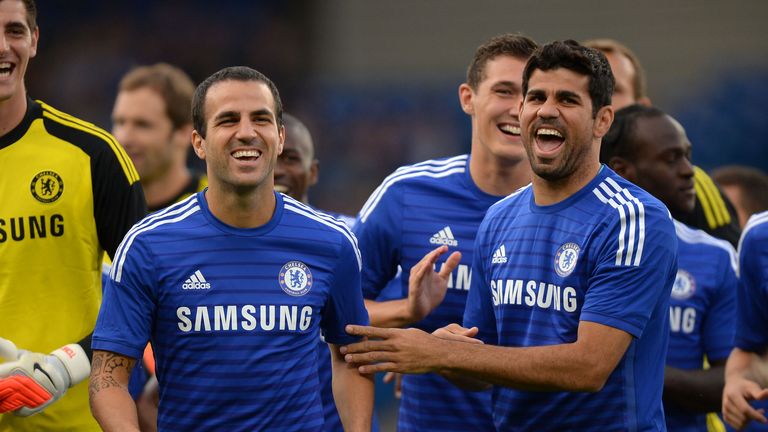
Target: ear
pixel 466 95
pixel 645 101
pixel 623 168
pixel 281 137
pixel 314 172
pixel 603 121
pixel 197 144
pixel 33 45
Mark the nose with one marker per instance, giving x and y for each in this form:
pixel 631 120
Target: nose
pixel 245 130
pixel 686 168
pixel 4 45
pixel 548 109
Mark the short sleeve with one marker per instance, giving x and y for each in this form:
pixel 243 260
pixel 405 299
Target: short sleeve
pixel 345 302
pixel 635 268
pixel 128 305
pixel 752 321
pixel 719 325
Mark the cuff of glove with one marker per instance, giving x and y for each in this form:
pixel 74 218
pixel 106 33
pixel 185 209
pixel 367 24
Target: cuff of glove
pixel 75 361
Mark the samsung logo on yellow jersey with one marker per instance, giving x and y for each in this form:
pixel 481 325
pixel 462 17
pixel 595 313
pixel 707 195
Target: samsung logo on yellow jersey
pixel 31 227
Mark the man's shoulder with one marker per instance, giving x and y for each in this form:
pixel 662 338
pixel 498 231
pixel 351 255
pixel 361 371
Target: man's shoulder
pixel 704 245
pixel 322 223
pixel 429 171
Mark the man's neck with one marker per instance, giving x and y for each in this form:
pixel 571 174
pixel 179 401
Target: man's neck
pixel 497 176
pixel 12 112
pixel 250 208
pixel 549 192
pixel 161 190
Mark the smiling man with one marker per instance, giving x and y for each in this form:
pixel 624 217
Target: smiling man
pixel 233 286
pixel 570 278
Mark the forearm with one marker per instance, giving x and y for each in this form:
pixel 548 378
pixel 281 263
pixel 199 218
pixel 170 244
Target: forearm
pixel 739 364
pixel 111 403
pixel 353 394
pixel 389 314
pixel 695 390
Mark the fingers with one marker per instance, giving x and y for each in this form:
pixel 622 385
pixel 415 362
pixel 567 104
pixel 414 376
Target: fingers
pixel 368 331
pixel 389 377
pixel 376 368
pixel 8 351
pixel 398 385
pixel 450 264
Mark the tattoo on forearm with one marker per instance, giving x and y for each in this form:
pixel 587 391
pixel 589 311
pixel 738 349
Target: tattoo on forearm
pixel 106 368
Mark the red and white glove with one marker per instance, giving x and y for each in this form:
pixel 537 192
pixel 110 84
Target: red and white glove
pixel 32 381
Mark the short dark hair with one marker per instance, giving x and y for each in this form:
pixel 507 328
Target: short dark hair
pixel 571 55
pixel 607 46
pixel 508 44
pixel 620 139
pixel 232 73
pixel 171 83
pixel 752 182
pixel 31 8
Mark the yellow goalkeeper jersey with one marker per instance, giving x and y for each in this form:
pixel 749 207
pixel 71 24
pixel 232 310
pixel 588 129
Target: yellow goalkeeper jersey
pixel 68 192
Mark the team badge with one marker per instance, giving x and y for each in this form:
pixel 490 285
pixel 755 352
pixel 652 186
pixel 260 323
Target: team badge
pixel 565 259
pixel 685 285
pixel 295 278
pixel 47 187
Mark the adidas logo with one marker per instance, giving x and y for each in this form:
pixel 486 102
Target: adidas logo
pixel 196 281
pixel 444 237
pixel 500 256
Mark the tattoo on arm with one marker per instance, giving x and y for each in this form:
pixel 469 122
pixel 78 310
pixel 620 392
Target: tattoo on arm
pixel 108 370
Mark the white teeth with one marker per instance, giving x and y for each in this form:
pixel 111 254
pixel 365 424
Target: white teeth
pixel 511 129
pixel 246 153
pixel 552 132
pixel 281 188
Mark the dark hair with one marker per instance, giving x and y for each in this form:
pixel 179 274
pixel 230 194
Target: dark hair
pixel 620 139
pixel 752 182
pixel 232 73
pixel 31 8
pixel 609 46
pixel 577 58
pixel 508 44
pixel 171 83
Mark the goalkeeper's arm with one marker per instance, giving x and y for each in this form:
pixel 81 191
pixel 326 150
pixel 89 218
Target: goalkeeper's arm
pixel 111 404
pixel 30 381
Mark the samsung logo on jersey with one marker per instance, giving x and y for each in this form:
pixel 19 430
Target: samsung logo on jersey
pixel 244 317
pixel 536 293
pixel 31 227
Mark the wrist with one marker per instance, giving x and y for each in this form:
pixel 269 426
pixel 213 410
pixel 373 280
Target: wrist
pixel 74 362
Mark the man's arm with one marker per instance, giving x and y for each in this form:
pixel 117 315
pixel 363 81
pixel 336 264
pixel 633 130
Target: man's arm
pixel 698 390
pixel 583 365
pixel 426 290
pixel 353 393
pixel 740 389
pixel 111 404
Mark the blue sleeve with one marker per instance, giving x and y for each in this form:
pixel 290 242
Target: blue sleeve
pixel 125 318
pixel 478 311
pixel 345 302
pixel 378 229
pixel 720 321
pixel 624 295
pixel 752 321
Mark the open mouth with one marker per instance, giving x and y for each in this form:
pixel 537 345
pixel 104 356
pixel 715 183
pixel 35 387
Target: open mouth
pixel 282 188
pixel 508 129
pixel 5 69
pixel 246 155
pixel 548 139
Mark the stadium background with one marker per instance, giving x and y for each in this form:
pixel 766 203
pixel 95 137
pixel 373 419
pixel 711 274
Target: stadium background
pixel 376 82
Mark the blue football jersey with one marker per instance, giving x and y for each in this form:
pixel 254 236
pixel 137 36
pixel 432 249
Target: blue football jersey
pixel 702 311
pixel 607 254
pixel 416 209
pixel 234 315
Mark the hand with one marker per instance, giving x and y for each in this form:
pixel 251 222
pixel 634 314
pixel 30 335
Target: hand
pixel 737 393
pixel 396 350
pixel 458 333
pixel 34 381
pixel 398 379
pixel 426 287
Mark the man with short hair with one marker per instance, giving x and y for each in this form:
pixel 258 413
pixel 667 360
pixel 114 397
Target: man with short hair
pixel 441 203
pixel 152 120
pixel 68 193
pixel 570 278
pixel 712 212
pixel 650 149
pixel 746 187
pixel 233 285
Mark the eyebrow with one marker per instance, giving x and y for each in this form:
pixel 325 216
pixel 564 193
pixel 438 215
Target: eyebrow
pixel 229 114
pixel 17 25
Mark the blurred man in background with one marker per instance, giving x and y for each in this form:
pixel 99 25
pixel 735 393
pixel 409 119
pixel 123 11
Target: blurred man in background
pixel 746 187
pixel 712 212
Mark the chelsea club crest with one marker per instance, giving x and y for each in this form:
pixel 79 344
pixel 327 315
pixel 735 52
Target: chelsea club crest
pixel 565 259
pixel 295 278
pixel 685 285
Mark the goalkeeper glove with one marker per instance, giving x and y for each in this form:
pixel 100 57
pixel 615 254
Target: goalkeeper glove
pixel 34 380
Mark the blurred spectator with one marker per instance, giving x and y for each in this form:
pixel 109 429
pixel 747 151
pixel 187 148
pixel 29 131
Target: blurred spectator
pixel 746 187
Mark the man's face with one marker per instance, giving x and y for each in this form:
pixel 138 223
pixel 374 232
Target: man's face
pixel 18 43
pixel 558 130
pixel 661 163
pixel 296 168
pixel 494 108
pixel 243 137
pixel 141 125
pixel 624 74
